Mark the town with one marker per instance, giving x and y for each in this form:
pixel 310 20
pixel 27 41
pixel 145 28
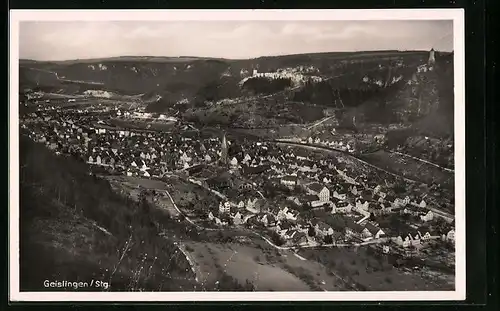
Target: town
pixel 292 196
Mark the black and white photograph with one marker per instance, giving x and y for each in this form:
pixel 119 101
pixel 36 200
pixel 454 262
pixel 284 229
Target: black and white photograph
pixel 204 155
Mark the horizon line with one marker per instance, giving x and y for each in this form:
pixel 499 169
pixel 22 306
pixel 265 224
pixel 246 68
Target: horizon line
pixel 226 58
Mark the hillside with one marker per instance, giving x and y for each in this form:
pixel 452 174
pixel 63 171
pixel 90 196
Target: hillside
pixel 74 227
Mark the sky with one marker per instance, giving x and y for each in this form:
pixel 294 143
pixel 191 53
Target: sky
pixel 63 40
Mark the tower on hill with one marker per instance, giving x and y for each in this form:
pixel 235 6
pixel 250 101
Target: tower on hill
pixel 432 58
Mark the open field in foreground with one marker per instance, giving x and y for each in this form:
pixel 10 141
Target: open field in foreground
pixel 266 268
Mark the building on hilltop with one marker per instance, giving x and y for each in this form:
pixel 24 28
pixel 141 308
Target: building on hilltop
pixel 432 58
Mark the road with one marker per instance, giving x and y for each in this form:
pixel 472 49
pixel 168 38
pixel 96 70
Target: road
pixel 319 122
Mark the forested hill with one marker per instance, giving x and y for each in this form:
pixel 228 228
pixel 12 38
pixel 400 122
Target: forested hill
pixel 74 227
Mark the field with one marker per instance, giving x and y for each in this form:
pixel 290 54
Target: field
pixel 131 187
pixel 375 272
pixel 266 268
pixel 410 168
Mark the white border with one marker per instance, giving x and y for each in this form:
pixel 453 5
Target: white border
pixel 457 15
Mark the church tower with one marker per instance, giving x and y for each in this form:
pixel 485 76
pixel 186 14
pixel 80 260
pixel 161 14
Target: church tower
pixel 432 58
pixel 223 155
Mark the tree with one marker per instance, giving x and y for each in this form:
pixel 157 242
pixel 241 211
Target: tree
pixel 328 239
pixel 372 217
pixel 277 239
pixel 311 232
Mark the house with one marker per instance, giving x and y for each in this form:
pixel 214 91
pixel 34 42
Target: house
pixel 211 216
pixel 425 237
pixel 354 190
pixel 289 181
pixel 362 205
pixel 261 205
pixel 372 231
pixel 299 238
pixel 341 207
pixel 251 206
pixel 282 230
pixel 309 199
pixel 385 209
pixel 427 217
pixel 234 162
pixel 415 239
pixel 353 229
pixel 450 236
pixel 268 220
pixel 237 219
pixel 324 195
pixel 314 188
pixel 322 229
pixel 339 194
pixel 410 239
pixel 285 213
pixel 224 208
pixel 423 204
pixel 406 242
pixel 386 249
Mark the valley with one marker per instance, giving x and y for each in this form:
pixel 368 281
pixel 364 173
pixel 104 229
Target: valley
pixel 324 172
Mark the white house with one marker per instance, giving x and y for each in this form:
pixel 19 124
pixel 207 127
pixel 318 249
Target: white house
pixel 426 237
pixel 427 217
pixel 247 158
pixel 423 204
pixel 322 192
pixel 211 216
pixel 341 208
pixel 289 181
pixel 324 195
pixel 238 219
pixel 404 243
pixel 234 162
pixel 224 208
pixel 339 196
pixel 450 236
pixel 354 190
pixel 251 206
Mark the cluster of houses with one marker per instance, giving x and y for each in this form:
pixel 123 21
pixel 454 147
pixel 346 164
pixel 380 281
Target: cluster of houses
pixel 342 196
pixel 295 75
pixel 323 184
pixel 131 152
